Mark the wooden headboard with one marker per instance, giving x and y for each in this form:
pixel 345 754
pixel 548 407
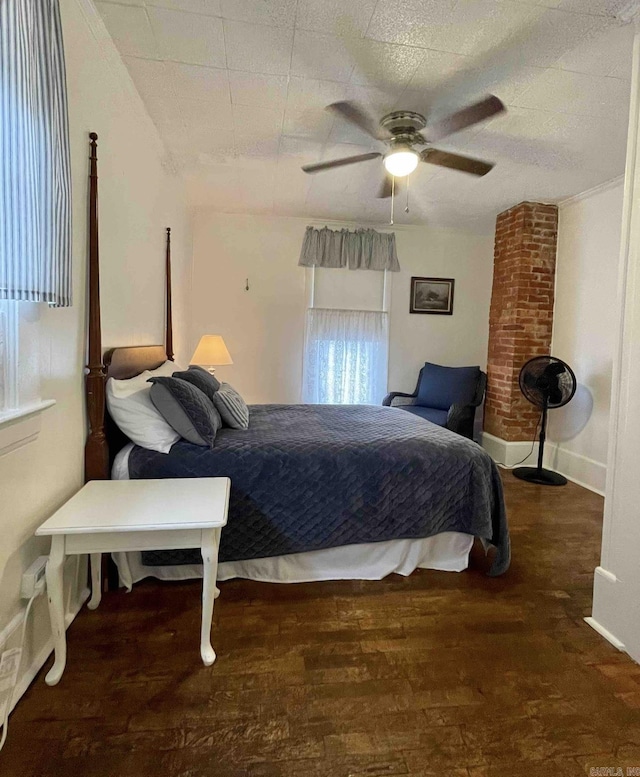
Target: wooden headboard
pixel 105 439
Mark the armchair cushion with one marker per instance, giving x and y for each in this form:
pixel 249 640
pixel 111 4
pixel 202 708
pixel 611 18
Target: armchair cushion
pixel 440 387
pixel 438 417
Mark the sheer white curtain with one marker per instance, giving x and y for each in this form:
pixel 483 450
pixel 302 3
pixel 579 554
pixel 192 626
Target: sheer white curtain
pixel 345 357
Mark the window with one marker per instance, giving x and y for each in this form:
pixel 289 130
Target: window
pixel 35 175
pixel 20 403
pixel 345 357
pixel 346 337
pixel 8 355
pixel 35 203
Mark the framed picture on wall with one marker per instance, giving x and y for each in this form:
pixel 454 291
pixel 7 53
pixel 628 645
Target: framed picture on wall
pixel 432 295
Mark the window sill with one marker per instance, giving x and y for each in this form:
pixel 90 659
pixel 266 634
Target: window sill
pixel 21 425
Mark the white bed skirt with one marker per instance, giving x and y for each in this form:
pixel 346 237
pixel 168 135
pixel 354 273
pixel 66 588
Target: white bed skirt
pixel 448 552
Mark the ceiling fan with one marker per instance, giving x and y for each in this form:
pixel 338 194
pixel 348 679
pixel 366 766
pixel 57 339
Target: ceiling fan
pixel 401 131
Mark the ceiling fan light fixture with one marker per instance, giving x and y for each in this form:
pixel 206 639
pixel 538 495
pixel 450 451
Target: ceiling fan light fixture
pixel 401 162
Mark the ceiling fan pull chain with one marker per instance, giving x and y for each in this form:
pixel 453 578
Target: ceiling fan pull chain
pixel 393 195
pixel 406 210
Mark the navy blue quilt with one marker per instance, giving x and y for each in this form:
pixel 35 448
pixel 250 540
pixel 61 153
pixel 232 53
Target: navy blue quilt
pixel 308 477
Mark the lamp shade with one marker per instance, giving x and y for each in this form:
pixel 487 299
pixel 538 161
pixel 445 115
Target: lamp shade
pixel 211 351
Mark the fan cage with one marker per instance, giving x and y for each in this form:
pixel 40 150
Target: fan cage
pixel 534 369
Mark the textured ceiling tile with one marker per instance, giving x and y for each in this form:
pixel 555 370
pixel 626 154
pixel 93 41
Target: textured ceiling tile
pixel 507 67
pixel 129 27
pixel 545 185
pixel 296 152
pixel 476 26
pixel 565 129
pixel 305 114
pixel 261 147
pixel 314 93
pixel 552 33
pixel 543 3
pixel 563 92
pixel 519 122
pixel 277 13
pixel 601 7
pixel 259 122
pixel 187 37
pixel 208 7
pixel 606 54
pixel 191 82
pixel 435 68
pixel 335 16
pixel 585 138
pixel 375 101
pixel 201 140
pixel 210 116
pixel 258 49
pixel 321 56
pixel 257 89
pixel 311 123
pixel 385 65
pixel 412 22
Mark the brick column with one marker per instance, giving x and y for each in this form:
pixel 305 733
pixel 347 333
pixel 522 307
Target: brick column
pixel 521 317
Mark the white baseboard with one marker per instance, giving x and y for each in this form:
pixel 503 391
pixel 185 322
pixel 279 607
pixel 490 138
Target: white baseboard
pixel 583 471
pixel 605 633
pixel 28 675
pixel 509 453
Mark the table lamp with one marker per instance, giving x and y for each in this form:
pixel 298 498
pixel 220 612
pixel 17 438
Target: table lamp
pixel 211 352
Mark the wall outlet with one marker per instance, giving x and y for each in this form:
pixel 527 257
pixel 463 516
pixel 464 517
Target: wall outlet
pixel 32 577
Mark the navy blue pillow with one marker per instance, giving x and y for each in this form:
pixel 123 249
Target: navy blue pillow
pixel 186 409
pixel 200 378
pixel 441 387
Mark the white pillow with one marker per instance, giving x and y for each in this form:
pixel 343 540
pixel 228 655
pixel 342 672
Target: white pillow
pixel 130 405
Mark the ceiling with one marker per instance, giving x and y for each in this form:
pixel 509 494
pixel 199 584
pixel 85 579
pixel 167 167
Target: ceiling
pixel 237 89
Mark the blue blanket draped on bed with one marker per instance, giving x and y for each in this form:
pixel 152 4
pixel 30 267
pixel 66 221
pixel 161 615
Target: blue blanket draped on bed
pixel 308 477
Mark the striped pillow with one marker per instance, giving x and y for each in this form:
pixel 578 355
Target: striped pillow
pixel 232 407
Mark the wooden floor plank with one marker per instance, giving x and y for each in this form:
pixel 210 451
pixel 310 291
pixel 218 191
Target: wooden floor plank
pixel 435 674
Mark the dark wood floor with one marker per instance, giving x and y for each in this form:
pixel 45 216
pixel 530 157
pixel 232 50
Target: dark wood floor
pixel 435 674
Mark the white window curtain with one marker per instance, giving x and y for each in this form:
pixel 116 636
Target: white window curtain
pixel 346 354
pixel 35 178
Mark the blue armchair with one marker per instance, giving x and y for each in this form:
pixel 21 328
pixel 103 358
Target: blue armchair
pixel 446 396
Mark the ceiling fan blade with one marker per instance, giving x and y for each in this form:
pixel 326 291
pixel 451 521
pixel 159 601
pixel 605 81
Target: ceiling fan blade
pixel 456 162
pixel 386 187
pixel 347 160
pixel 468 116
pixel 355 115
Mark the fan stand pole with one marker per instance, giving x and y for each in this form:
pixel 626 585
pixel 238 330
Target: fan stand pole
pixel 539 475
pixel 543 434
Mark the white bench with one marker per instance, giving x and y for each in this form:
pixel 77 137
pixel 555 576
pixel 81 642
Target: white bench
pixel 107 516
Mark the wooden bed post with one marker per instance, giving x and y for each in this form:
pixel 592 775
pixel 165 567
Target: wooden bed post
pixel 96 453
pixel 168 313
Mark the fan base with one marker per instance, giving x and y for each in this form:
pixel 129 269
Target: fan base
pixel 543 477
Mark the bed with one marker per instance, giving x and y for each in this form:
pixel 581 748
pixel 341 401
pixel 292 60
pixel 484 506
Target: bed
pixel 318 492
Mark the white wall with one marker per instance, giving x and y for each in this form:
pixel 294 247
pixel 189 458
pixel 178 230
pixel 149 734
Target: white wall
pixel 585 330
pixel 138 199
pixel 616 588
pixel 264 327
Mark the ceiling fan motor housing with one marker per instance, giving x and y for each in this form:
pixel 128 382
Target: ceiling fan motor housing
pixel 403 121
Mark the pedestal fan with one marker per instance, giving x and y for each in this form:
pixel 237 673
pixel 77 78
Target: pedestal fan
pixel 547 383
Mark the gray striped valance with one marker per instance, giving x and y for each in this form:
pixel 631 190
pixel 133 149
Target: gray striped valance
pixel 363 249
pixel 35 178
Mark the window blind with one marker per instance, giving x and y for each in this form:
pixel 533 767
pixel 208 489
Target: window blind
pixel 35 178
